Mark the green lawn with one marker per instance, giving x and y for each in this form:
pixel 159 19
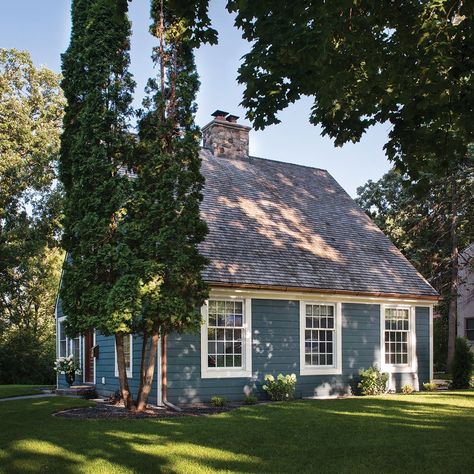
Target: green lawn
pixel 7 391
pixel 415 433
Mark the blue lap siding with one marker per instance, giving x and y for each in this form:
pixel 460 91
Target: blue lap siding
pixel 275 349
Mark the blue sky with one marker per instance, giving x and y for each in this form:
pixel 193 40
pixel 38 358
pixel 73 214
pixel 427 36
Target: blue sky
pixel 43 26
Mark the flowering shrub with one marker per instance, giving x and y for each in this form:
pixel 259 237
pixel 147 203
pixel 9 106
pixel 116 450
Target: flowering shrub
pixel 281 388
pixel 66 365
pixel 407 389
pixel 430 387
pixel 372 381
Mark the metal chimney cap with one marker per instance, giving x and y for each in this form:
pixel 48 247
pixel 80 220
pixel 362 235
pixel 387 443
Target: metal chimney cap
pixel 220 113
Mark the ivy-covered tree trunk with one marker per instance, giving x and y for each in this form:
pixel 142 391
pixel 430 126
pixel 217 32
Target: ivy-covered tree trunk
pixel 99 282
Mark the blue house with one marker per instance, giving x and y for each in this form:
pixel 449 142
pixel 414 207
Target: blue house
pixel 301 280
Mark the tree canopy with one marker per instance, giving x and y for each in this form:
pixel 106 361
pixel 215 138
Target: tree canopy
pixel 31 110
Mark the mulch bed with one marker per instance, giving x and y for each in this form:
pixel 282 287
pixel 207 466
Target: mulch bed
pixel 104 410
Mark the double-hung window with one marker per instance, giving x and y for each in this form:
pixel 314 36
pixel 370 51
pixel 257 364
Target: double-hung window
pixel 320 338
pixel 66 345
pixel 398 338
pixel 127 349
pixel 226 339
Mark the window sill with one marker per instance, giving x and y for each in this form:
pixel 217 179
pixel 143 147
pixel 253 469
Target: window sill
pixel 320 371
pixel 398 369
pixel 225 374
pixel 129 374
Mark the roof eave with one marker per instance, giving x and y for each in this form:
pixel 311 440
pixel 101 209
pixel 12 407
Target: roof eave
pixel 324 291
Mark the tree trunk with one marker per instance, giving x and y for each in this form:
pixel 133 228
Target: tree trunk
pixel 142 362
pixel 122 372
pixel 149 373
pixel 452 313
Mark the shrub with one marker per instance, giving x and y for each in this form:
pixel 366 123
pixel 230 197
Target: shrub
pixel 407 389
pixel 280 388
pixel 66 365
pixel 430 387
pixel 250 400
pixel 372 381
pixel 218 401
pixel 462 364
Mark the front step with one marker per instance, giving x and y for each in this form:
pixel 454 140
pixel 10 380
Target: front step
pixel 78 391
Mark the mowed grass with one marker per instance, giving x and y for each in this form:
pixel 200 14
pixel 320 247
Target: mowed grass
pixel 7 391
pixel 415 433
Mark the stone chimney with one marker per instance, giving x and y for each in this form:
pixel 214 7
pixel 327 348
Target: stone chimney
pixel 223 136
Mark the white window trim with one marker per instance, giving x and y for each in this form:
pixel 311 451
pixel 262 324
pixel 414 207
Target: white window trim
pixel 129 372
pixel 412 365
pixel 335 369
pixel 69 342
pixel 226 372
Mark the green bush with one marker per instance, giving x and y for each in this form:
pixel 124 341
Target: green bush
pixel 218 401
pixel 27 358
pixel 430 387
pixel 407 389
pixel 372 381
pixel 463 364
pixel 250 400
pixel 280 388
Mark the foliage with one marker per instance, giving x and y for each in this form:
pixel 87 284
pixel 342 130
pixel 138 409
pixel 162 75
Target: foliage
pixel 250 400
pixel 31 110
pixel 217 401
pixel 407 389
pixel 27 356
pixel 66 365
pixel 440 340
pixel 249 440
pixel 418 219
pixel 430 386
pixel 95 146
pixel 281 388
pixel 166 227
pixel 409 66
pixel 463 364
pixel 372 381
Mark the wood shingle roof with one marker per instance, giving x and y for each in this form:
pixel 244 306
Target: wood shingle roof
pixel 281 225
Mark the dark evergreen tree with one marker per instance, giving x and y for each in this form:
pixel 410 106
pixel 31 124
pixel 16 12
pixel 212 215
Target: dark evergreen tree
pixel 95 146
pixel 168 190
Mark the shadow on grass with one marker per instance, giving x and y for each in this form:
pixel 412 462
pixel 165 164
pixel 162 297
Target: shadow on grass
pixel 384 434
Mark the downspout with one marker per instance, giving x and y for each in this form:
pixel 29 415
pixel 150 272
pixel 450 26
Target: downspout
pixel 164 376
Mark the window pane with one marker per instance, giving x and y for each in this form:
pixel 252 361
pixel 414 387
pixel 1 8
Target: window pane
pixel 320 326
pixel 126 350
pixel 224 341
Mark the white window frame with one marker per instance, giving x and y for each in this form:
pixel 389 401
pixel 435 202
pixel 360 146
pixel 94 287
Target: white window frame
pixel 228 372
pixel 129 371
pixel 411 366
pixel 336 368
pixel 69 343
